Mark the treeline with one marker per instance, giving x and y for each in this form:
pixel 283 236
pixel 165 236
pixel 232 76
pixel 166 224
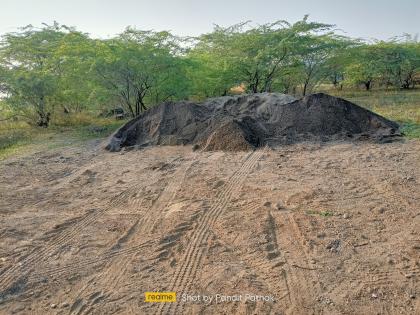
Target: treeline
pixel 59 69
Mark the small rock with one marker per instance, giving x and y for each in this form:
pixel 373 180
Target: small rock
pixel 374 295
pixel 381 209
pixel 321 235
pixel 218 184
pixel 65 304
pixel 345 216
pixel 53 305
pixel 279 206
pixel 195 147
pixel 267 204
pixel 409 275
pixel 18 309
pixel 412 296
pixel 334 246
pixel 3 259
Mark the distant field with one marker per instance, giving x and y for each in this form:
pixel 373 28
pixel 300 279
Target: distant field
pixel 17 136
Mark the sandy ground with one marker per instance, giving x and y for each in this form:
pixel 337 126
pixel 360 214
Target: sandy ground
pixel 319 229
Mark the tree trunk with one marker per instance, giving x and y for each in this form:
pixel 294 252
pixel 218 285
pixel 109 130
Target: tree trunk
pixel 44 119
pixel 368 85
pixel 406 85
pixel 305 87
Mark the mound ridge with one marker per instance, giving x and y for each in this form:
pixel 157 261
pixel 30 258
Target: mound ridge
pixel 236 123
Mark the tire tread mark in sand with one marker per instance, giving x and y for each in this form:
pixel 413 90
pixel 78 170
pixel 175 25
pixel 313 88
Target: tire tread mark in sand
pixel 170 192
pixel 300 281
pixel 271 236
pixel 265 265
pixel 186 271
pixel 112 278
pixel 39 255
pixel 162 201
pixel 89 262
pixel 369 278
pixel 212 219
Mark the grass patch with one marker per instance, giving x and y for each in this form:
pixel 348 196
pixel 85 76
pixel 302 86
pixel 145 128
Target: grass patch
pixel 411 131
pixel 321 213
pixel 19 137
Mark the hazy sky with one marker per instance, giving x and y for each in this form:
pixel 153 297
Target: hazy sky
pixel 380 19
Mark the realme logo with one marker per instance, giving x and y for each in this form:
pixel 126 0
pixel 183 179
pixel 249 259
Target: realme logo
pixel 160 296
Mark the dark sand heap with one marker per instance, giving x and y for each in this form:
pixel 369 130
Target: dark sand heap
pixel 236 123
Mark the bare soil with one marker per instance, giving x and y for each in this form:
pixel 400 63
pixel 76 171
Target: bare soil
pixel 328 228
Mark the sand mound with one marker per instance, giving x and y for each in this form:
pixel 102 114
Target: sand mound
pixel 247 121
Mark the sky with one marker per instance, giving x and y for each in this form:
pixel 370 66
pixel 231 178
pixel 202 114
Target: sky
pixel 368 19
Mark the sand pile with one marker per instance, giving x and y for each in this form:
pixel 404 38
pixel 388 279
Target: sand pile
pixel 236 123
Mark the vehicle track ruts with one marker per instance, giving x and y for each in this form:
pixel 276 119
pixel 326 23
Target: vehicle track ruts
pixel 13 273
pixel 111 276
pixel 302 281
pixel 267 263
pixel 77 265
pixel 39 255
pixel 378 277
pixel 169 193
pixel 187 269
pixel 164 199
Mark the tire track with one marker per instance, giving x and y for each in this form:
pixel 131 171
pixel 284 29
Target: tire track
pixel 186 271
pixel 39 255
pixel 87 263
pixel 113 275
pixel 266 263
pixel 302 282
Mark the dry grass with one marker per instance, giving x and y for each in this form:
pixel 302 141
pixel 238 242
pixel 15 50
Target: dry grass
pixel 17 137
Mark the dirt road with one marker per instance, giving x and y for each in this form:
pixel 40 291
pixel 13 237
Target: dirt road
pixel 301 229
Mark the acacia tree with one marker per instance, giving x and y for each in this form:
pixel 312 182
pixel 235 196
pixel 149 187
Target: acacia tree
pixel 317 57
pixel 28 70
pixel 140 67
pixel 401 61
pixel 365 67
pixel 77 87
pixel 386 63
pixel 255 56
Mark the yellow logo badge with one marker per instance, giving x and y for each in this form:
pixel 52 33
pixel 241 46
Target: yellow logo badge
pixel 164 297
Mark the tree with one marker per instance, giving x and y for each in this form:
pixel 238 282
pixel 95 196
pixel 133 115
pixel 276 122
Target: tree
pixel 75 54
pixel 254 56
pixel 317 55
pixel 365 67
pixel 401 61
pixel 28 71
pixel 141 67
